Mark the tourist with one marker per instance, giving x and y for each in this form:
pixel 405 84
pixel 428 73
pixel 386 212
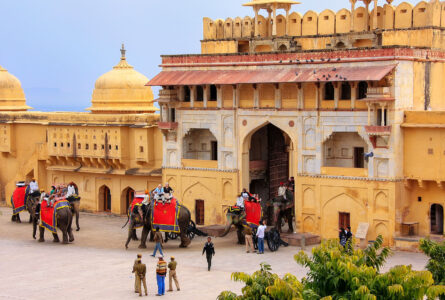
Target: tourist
pixel 158 240
pixel 158 192
pixel 209 249
pixel 282 191
pixel 71 193
pixel 249 240
pixel 348 233
pixel 172 274
pixel 140 270
pixel 260 234
pixel 240 202
pixel 146 200
pixel 34 188
pixel 161 271
pixel 167 190
pixel 342 236
pixel 53 190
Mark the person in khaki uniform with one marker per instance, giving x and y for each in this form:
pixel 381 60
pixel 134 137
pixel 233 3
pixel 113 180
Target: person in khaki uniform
pixel 248 236
pixel 137 280
pixel 172 275
pixel 140 269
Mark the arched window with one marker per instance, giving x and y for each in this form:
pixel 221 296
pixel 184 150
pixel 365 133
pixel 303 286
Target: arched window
pixel 345 91
pixel 329 91
pixel 362 89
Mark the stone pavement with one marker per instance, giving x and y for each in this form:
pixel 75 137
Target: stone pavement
pixel 96 265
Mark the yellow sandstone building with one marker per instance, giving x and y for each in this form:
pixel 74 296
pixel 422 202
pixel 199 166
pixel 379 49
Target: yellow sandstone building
pixel 350 103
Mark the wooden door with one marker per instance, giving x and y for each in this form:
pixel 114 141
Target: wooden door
pixel 107 199
pixel 199 212
pixel 344 220
pixel 359 157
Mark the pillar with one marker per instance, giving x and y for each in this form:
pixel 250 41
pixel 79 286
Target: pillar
pixel 352 13
pixel 382 121
pixel 274 24
pixel 369 114
pixel 317 95
pixel 206 94
pixel 164 113
pixel 235 96
pixel 287 20
pixel 256 96
pixel 219 96
pixel 367 13
pixel 256 9
pixel 353 94
pixel 278 96
pixel 181 93
pixel 300 95
pixel 337 90
pixel 375 24
pixel 192 95
pixel 269 25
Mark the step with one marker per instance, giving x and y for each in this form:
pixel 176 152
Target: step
pixel 294 239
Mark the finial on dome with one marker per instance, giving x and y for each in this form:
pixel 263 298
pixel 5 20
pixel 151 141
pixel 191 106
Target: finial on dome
pixel 123 52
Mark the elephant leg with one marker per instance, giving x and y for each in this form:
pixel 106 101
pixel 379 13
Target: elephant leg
pixel 13 218
pixel 241 237
pixel 30 218
pixel 55 238
pixel 166 237
pixel 152 236
pixel 144 235
pixel 290 221
pixel 185 240
pixel 65 235
pixel 42 234
pixel 18 218
pixel 134 235
pixel 77 219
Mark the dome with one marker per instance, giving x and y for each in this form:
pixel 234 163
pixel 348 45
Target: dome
pixel 122 90
pixel 12 97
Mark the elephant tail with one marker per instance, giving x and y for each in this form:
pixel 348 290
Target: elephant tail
pixel 128 220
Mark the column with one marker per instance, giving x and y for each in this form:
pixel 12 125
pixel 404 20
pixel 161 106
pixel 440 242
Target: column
pixel 235 96
pixel 278 96
pixel 317 95
pixel 219 96
pixel 300 96
pixel 367 13
pixel 274 24
pixel 352 13
pixel 353 94
pixel 269 24
pixel 375 24
pixel 192 95
pixel 206 94
pixel 256 96
pixel 256 9
pixel 337 90
pixel 287 20
pixel 369 113
pixel 181 93
pixel 164 113
pixel 382 119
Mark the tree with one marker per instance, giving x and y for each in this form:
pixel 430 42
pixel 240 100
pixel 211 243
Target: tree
pixel 436 263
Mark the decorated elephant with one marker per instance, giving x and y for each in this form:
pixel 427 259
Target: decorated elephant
pixel 63 218
pixel 75 210
pixel 236 218
pixel 283 208
pixel 27 204
pixel 144 220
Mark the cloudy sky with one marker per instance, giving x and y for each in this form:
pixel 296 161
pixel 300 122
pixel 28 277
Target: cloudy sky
pixel 59 48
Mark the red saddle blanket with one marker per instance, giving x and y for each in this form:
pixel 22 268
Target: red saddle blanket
pixel 165 216
pixel 18 200
pixel 253 212
pixel 136 202
pixel 48 214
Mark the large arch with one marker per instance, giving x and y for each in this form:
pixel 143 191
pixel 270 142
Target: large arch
pixel 104 198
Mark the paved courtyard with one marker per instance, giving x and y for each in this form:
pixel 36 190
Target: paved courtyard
pixel 97 266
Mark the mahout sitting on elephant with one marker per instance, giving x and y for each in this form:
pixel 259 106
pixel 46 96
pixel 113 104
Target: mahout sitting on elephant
pixel 59 215
pixel 141 215
pixel 22 200
pixel 249 217
pixel 283 207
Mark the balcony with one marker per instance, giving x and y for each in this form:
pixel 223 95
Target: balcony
pixel 167 96
pixel 198 163
pixel 378 130
pixel 379 93
pixel 168 125
pixel 350 172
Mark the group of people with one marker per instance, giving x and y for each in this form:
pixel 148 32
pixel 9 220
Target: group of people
pixel 345 235
pixel 68 192
pixel 246 196
pixel 163 194
pixel 140 271
pixel 288 186
pixel 248 234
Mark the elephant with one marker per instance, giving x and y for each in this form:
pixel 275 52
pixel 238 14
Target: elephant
pixel 239 221
pixel 283 207
pixel 30 203
pixel 64 220
pixel 75 210
pixel 135 220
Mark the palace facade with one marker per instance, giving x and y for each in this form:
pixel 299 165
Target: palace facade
pixel 350 104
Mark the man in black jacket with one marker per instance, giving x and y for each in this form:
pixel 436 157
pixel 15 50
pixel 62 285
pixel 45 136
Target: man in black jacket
pixel 209 249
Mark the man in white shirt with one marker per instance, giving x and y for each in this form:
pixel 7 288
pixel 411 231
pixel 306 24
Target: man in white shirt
pixel 260 234
pixel 282 190
pixel 240 202
pixel 71 190
pixel 34 188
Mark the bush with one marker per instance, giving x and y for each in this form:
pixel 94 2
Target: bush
pixel 337 272
pixel 436 263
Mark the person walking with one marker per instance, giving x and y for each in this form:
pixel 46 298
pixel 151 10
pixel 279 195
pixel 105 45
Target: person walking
pixel 260 235
pixel 140 269
pixel 158 240
pixel 249 240
pixel 137 280
pixel 209 249
pixel 172 274
pixel 161 271
pixel 342 236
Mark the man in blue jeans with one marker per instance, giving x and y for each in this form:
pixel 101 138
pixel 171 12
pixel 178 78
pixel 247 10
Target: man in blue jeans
pixel 161 272
pixel 158 240
pixel 260 234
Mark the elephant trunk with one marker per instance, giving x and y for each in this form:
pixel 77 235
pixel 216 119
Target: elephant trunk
pixel 227 228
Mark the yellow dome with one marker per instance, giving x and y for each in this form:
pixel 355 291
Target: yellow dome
pixel 122 90
pixel 12 97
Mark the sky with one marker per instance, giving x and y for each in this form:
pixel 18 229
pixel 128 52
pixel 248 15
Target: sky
pixel 57 49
